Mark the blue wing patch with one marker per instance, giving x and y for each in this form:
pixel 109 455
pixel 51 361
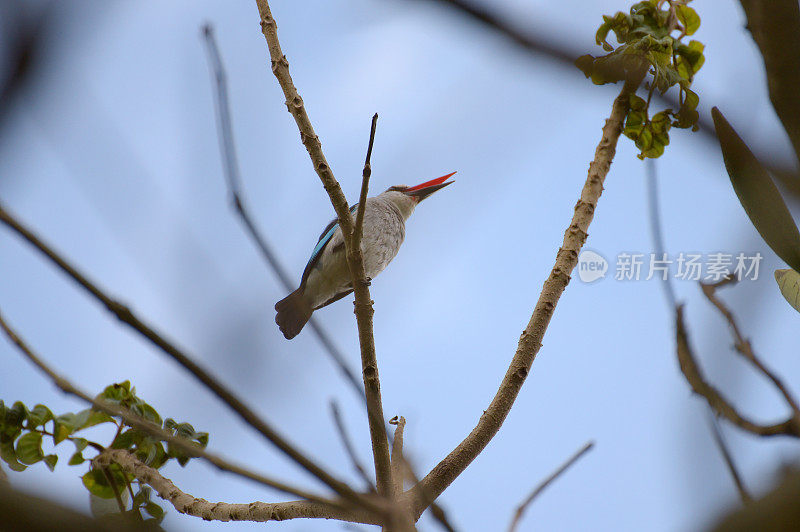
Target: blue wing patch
pixel 324 238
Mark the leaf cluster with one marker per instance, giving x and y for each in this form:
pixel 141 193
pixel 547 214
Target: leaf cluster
pixel 23 432
pixel 645 37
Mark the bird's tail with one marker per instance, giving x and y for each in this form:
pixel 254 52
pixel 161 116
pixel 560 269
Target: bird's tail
pixel 294 311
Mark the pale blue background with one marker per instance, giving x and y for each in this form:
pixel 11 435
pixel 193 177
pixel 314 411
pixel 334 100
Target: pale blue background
pixel 112 156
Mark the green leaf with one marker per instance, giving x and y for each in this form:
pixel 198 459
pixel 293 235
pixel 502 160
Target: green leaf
pixel 789 283
pixel 9 456
pixel 16 415
pixel 142 409
pixel 127 439
pixel 29 448
pixel 80 443
pixel 690 59
pixel 117 393
pixel 39 416
pixel 688 18
pixel 96 482
pixel 154 510
pixel 60 431
pixel 758 194
pixel 50 460
pixel 687 115
pixel 142 496
pixel 76 459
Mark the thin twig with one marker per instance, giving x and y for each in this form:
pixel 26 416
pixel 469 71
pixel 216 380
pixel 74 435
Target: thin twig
pixel 403 518
pixel 716 430
pixel 126 315
pixel 398 461
pixel 348 446
pixel 656 232
pixel 358 230
pixel 233 180
pixel 546 482
pixel 531 340
pixel 355 259
pixel 742 344
pixel 114 488
pixel 150 428
pixel 718 403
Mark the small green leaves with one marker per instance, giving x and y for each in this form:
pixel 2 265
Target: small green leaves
pixel 689 58
pixel 9 456
pixel 142 502
pixel 688 18
pixel 789 283
pixel 97 481
pixel 184 430
pixel 646 42
pixel 758 194
pixel 39 416
pixel 22 434
pixel 154 510
pixel 50 461
pixel 123 395
pixel 29 448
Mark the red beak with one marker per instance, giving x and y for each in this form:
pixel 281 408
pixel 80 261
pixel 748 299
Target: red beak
pixel 423 190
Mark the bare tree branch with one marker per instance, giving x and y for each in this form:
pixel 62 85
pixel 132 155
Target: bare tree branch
pixel 355 259
pixel 531 340
pixel 222 511
pixel 726 455
pixel 348 446
pixel 656 232
pixel 152 429
pixel 742 344
pixel 718 403
pixel 398 462
pixel 126 315
pixel 546 482
pixel 233 180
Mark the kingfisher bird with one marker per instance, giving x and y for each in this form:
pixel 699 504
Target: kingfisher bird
pixel 327 279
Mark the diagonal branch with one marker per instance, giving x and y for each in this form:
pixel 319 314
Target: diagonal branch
pixel 718 403
pixel 742 344
pixel 531 340
pixel 716 431
pixel 222 511
pixel 355 259
pixel 126 315
pixel 546 482
pixel 152 429
pixel 348 446
pixel 233 179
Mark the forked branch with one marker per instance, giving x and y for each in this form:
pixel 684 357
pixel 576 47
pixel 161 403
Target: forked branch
pixel 355 259
pixel 531 340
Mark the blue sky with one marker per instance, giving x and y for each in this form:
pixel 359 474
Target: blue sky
pixel 112 156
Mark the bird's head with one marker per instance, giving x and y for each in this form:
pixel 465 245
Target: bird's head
pixel 405 198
